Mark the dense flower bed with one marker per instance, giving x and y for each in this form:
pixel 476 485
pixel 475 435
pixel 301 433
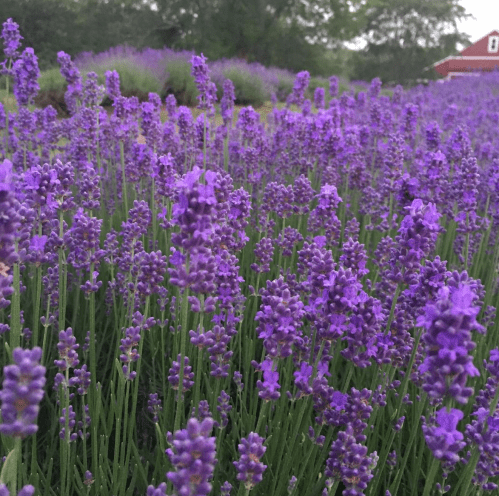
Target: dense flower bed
pixel 306 307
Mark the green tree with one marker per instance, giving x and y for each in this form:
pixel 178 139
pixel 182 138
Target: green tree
pixel 405 36
pixel 47 26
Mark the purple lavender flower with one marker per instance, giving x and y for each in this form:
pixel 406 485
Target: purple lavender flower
pixel 333 86
pixel 28 490
pixel 238 379
pixel 83 240
pixel 375 88
pixel 225 489
pixel 449 321
pixel 324 215
pixel 171 107
pixel 224 408
pixel 300 86
pixel 249 467
pixel 22 391
pixel 26 72
pixel 280 318
pixel 227 103
pixel 264 251
pixel 113 84
pixel 70 418
pixel 207 90
pixel 81 380
pixel 11 38
pixel 268 388
pixel 443 439
pixel 154 406
pixel 174 377
pixel 9 225
pixel 319 97
pixel 128 348
pixel 93 92
pixel 11 42
pixel 302 378
pixel 71 74
pixel 157 491
pixel 483 432
pixel 67 346
pixel 348 461
pixel 193 456
pixel 89 478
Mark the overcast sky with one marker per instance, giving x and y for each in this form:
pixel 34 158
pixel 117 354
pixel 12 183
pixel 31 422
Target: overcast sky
pixel 486 13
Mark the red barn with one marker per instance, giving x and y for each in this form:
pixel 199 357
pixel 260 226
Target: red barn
pixel 481 56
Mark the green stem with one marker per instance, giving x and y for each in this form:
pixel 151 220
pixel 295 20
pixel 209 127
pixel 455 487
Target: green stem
pixel 93 388
pixel 36 305
pixel 15 322
pixel 197 385
pixel 136 382
pixel 183 346
pixel 62 278
pixel 430 478
pixel 124 190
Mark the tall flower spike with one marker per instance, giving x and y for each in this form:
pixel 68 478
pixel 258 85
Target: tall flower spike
pixel 22 392
pixel 26 74
pixel 11 39
pixel 193 456
pixel 207 90
pixel 249 467
pixel 8 227
pixel 449 322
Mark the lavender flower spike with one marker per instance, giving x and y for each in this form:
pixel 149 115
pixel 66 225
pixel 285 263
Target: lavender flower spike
pixel 22 392
pixel 207 89
pixel 249 468
pixel 28 490
pixel 193 456
pixel 11 40
pixel 26 74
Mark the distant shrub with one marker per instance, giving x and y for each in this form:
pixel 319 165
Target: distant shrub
pixel 249 88
pixel 134 80
pixel 180 83
pixel 318 82
pixel 52 89
pixel 52 80
pixel 284 88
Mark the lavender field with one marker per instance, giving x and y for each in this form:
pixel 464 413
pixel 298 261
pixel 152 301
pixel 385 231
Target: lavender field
pixel 303 305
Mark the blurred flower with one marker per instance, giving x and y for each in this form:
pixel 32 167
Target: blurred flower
pixel 249 467
pixel 22 391
pixel 193 456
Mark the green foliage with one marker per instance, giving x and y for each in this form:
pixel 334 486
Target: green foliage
pixel 180 83
pixel 284 88
pixel 315 83
pixel 52 80
pixel 134 80
pixel 404 37
pixel 249 88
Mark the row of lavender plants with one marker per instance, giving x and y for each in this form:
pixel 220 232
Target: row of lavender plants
pixel 304 306
pixel 162 63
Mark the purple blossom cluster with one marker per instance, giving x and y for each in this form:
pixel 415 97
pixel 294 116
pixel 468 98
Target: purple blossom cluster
pixel 249 467
pixel 22 392
pixel 193 456
pixel 260 273
pixel 448 322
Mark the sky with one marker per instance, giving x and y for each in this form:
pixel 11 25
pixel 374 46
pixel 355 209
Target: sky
pixel 486 13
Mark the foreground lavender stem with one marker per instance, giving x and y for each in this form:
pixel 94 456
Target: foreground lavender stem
pixel 22 391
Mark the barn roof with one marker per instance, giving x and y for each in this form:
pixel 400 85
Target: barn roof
pixel 483 54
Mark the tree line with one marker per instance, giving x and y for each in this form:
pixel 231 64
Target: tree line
pixel 398 38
